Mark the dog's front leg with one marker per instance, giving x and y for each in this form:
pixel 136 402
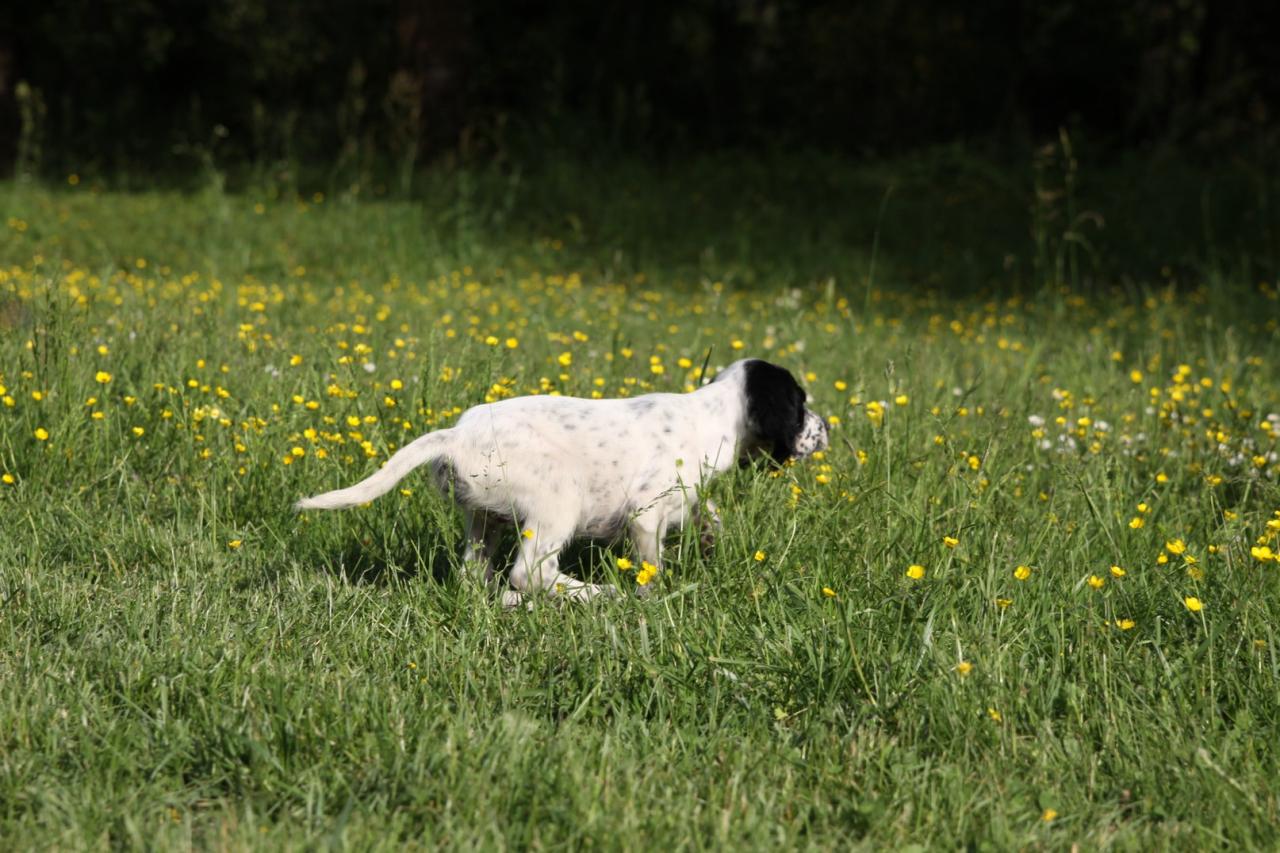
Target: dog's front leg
pixel 648 529
pixel 709 525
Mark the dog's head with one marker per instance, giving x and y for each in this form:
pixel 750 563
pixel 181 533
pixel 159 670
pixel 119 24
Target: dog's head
pixel 778 423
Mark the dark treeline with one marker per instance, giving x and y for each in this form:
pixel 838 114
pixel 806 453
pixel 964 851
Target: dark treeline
pixel 121 84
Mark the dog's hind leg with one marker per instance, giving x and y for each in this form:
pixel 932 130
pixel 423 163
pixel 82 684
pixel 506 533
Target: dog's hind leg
pixel 537 566
pixel 483 533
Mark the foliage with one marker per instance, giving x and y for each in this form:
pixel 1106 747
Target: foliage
pixel 130 84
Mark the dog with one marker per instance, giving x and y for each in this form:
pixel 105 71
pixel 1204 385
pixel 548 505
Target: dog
pixel 559 468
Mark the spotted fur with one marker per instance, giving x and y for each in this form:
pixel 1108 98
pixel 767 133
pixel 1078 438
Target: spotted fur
pixel 560 468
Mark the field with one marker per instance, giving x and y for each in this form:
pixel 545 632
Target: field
pixel 1029 598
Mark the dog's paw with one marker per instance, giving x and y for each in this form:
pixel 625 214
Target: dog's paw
pixel 512 600
pixel 577 591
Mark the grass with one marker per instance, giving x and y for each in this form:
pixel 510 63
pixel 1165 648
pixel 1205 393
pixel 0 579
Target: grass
pixel 185 662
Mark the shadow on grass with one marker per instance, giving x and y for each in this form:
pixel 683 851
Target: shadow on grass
pixel 360 562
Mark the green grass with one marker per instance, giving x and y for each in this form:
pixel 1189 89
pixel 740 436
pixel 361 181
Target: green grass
pixel 185 662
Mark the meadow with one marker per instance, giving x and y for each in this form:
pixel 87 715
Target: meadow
pixel 1028 598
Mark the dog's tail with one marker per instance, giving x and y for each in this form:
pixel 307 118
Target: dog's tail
pixel 420 450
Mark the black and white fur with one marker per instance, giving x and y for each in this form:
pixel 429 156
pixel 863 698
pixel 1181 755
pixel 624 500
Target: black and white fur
pixel 564 467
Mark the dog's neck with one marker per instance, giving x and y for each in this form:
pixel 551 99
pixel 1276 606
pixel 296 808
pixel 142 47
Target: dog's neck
pixel 725 427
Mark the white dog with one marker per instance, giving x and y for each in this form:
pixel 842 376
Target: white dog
pixel 563 467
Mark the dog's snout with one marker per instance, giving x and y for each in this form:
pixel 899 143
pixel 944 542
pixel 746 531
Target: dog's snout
pixel 814 436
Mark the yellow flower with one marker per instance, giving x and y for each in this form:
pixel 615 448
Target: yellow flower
pixel 1125 624
pixel 901 400
pixel 1193 604
pixel 1002 603
pixel 1117 572
pixel 759 556
pixel 512 343
pixel 646 573
pixel 138 431
pixel 950 541
pixel 624 564
pixel 1135 376
pixel 527 533
pixel 1262 554
pixel 915 571
pixel 1022 572
pixel 963 668
pixel 1175 546
pixel 1049 815
pixel 565 359
pixel 875 412
pixel 1136 522
pixel 41 434
pixel 995 715
pixel 491 340
pixel 1162 477
pixel 8 479
pixel 828 592
pixel 1096 582
pixel 102 377
pixel 1143 508
pixel 235 543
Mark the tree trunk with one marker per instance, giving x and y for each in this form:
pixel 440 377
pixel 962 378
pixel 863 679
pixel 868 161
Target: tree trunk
pixel 431 37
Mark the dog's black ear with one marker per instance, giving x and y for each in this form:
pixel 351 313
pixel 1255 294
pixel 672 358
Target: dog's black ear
pixel 775 407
